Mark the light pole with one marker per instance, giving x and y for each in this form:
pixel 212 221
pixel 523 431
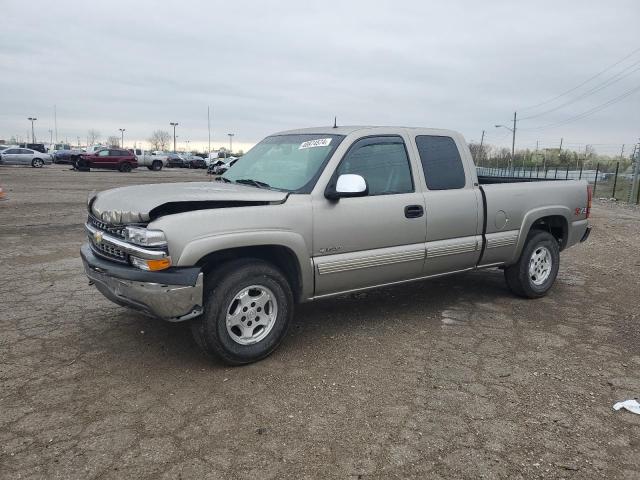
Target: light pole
pixel 231 142
pixel 122 137
pixel 50 137
pixel 174 125
pixel 33 135
pixel 187 143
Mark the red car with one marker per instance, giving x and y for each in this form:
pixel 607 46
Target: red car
pixel 111 158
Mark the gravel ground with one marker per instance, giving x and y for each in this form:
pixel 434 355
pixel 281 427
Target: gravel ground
pixel 453 378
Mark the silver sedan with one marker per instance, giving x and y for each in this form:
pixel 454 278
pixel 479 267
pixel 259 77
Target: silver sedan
pixel 24 156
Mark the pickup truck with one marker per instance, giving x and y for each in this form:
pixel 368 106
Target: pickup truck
pixel 152 160
pixel 312 213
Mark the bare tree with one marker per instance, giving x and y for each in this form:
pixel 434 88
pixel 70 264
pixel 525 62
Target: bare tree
pixel 159 139
pixel 93 136
pixel 113 141
pixel 479 153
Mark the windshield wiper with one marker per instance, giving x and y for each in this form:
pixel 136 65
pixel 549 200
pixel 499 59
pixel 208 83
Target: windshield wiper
pixel 222 179
pixel 255 183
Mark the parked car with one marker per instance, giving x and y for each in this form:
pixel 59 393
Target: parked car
pixel 221 165
pixel 38 147
pixel 66 156
pixel 94 148
pixel 24 156
pixel 314 213
pixel 59 147
pixel 194 161
pixel 152 160
pixel 174 161
pixel 109 158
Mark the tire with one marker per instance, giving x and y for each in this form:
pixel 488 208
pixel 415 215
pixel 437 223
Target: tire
pixel 533 275
pixel 37 163
pixel 125 167
pixel 226 292
pixel 156 166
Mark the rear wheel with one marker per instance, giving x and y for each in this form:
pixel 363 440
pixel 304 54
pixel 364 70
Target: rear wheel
pixel 248 308
pixel 37 163
pixel 156 165
pixel 537 268
pixel 125 167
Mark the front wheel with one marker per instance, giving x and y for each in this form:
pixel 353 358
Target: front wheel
pixel 125 167
pixel 37 163
pixel 537 268
pixel 248 308
pixel 156 165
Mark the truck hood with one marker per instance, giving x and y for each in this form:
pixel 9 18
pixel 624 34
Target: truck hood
pixel 143 203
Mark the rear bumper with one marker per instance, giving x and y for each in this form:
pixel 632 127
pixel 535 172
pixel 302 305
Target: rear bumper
pixel 173 295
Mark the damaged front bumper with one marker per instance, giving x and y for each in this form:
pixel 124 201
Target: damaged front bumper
pixel 174 295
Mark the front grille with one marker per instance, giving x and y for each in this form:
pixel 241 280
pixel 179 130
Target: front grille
pixel 108 251
pixel 102 249
pixel 115 230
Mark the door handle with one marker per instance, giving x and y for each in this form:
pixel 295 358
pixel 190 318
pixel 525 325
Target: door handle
pixel 413 211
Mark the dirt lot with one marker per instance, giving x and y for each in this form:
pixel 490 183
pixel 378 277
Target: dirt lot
pixel 453 378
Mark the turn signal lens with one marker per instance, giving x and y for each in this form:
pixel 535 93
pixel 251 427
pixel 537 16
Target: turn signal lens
pixel 151 265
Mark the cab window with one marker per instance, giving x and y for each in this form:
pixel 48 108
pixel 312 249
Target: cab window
pixel 441 162
pixel 382 161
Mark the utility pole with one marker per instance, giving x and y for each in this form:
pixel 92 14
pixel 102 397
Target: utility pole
pixel 513 141
pixel 209 129
pixel 50 137
pixel 636 173
pixel 122 137
pixel 174 125
pixel 513 138
pixel 231 142
pixel 480 151
pixel 33 135
pixel 55 122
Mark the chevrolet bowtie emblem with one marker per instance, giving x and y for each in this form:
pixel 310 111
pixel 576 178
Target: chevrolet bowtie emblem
pixel 97 236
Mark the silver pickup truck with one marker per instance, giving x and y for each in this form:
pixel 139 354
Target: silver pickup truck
pixel 311 213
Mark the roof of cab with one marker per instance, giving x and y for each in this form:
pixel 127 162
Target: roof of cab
pixel 348 129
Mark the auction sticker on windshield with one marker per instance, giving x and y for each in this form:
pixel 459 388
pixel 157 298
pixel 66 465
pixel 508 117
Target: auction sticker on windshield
pixel 319 142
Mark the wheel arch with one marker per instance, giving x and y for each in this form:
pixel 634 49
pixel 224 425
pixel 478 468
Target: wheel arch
pixel 554 219
pixel 282 249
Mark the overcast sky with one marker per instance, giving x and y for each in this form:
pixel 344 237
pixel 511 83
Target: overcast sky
pixel 265 66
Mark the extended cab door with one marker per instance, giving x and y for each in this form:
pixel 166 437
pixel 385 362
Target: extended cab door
pixel 453 204
pixel 376 239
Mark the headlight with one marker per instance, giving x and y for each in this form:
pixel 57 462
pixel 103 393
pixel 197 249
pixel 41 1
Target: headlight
pixel 144 237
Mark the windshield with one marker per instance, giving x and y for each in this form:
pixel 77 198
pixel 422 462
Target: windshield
pixel 285 162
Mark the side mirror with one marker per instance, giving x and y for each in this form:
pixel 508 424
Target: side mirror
pixel 347 185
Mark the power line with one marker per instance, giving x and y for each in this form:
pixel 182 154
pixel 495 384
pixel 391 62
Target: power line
pixel 583 83
pixel 588 112
pixel 616 78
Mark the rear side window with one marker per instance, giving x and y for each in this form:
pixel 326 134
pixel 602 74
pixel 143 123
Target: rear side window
pixel 441 162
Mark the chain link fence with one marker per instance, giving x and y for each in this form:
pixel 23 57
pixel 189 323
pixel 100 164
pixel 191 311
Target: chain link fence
pixel 608 181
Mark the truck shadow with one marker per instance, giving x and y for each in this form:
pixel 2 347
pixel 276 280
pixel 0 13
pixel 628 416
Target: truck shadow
pixel 410 302
pixel 411 305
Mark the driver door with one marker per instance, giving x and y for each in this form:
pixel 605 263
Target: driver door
pixel 375 239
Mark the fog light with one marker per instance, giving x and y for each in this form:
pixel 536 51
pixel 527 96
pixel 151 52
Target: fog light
pixel 151 265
